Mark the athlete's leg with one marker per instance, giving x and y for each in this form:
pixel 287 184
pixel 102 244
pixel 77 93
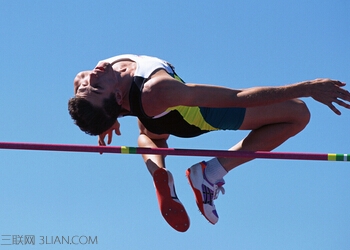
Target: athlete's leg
pixel 270 126
pixel 169 204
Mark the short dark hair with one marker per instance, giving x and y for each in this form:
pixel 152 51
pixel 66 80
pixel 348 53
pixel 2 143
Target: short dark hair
pixel 91 119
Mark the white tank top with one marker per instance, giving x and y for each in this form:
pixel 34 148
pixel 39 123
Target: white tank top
pixel 146 65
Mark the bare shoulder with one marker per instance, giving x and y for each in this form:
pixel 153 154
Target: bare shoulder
pixel 161 79
pixel 161 92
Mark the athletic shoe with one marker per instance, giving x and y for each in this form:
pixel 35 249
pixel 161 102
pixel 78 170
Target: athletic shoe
pixel 204 191
pixel 169 204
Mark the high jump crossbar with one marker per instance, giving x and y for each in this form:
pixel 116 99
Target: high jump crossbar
pixel 175 151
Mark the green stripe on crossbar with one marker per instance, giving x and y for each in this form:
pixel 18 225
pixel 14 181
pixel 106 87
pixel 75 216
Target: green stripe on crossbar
pixel 128 150
pixel 338 157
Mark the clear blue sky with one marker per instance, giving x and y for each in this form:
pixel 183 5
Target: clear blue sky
pixel 269 204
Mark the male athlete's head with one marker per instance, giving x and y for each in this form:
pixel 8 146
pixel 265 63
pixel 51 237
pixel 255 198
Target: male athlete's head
pixel 96 104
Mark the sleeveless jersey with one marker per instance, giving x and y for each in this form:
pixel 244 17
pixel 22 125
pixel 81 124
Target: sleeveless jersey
pixel 181 121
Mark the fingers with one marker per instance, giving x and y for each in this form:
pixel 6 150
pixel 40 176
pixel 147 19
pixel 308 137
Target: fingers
pixel 101 140
pixel 116 127
pixel 336 94
pixel 339 83
pixel 110 135
pixel 342 103
pixel 344 94
pixel 327 80
pixel 334 109
pixel 117 132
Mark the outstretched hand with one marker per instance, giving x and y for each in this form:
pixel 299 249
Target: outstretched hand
pixel 329 91
pixel 109 133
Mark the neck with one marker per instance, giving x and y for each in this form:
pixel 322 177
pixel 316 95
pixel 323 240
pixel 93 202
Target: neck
pixel 125 89
pixel 125 73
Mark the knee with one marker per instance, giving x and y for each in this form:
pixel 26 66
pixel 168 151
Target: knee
pixel 301 113
pixel 142 140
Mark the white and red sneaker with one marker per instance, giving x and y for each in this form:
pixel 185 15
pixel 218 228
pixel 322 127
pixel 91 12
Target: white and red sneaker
pixel 205 192
pixel 169 204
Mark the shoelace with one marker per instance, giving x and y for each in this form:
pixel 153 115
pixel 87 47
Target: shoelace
pixel 217 188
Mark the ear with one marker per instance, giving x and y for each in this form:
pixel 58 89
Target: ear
pixel 119 98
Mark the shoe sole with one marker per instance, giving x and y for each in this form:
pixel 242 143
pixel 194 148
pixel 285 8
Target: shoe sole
pixel 173 212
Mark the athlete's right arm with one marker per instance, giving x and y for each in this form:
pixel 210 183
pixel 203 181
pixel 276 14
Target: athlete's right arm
pixel 109 133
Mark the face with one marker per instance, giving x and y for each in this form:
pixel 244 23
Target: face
pixel 97 84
